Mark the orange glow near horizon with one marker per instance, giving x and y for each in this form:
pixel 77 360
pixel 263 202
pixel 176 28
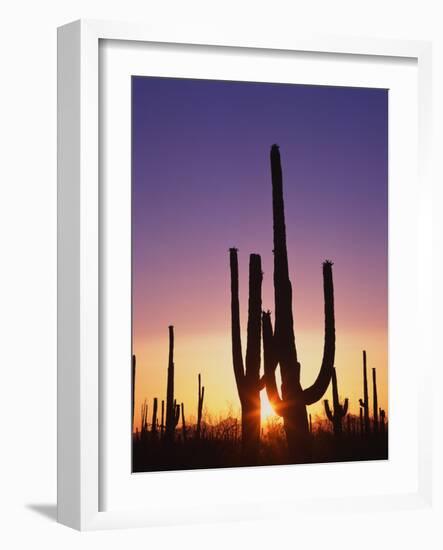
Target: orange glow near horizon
pixel 210 355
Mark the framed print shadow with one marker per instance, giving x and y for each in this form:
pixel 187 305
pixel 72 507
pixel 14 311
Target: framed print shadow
pixel 291 238
pixel 243 251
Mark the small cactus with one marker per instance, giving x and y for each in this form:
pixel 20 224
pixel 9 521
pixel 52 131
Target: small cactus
pixel 375 400
pixel 154 418
pixel 144 419
pixel 340 411
pixel 364 403
pixel 382 421
pixel 184 430
pixel 162 425
pixel 171 407
pixel 362 430
pixel 201 396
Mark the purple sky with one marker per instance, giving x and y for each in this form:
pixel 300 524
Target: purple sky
pixel 201 184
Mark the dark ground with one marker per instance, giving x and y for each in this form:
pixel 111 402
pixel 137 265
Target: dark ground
pixel 215 451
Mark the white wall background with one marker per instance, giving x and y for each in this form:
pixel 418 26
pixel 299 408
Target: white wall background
pixel 28 263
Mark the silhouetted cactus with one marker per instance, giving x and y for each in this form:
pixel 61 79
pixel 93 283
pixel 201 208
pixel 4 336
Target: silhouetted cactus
pixel 184 429
pixel 154 418
pixel 248 379
pixel 375 399
pixel 201 396
pixel 362 429
pixel 279 345
pixel 133 390
pixel 364 403
pixel 144 419
pixel 340 411
pixel 310 423
pixel 171 407
pixel 382 421
pixel 162 425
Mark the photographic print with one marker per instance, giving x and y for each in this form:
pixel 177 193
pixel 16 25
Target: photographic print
pixel 259 274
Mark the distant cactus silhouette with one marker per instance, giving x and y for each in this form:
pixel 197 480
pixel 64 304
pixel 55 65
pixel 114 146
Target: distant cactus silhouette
pixel 144 419
pixel 382 421
pixel 362 428
pixel 133 390
pixel 375 400
pixel 364 403
pixel 340 411
pixel 248 377
pixel 310 423
pixel 201 396
pixel 184 429
pixel 172 416
pixel 154 418
pixel 162 425
pixel 279 345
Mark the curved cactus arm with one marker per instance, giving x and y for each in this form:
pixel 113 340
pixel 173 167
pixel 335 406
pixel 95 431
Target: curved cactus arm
pixel 237 354
pixel 315 392
pixel 345 407
pixel 328 411
pixel 270 364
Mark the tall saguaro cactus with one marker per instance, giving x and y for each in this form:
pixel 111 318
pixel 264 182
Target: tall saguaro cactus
pixel 279 344
pixel 340 411
pixel 364 403
pixel 247 376
pixel 375 399
pixel 201 396
pixel 171 414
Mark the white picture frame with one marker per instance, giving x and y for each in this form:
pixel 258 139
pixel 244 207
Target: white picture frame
pixel 79 410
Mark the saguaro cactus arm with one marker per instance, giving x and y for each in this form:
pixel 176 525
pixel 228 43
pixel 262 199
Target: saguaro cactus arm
pixel 336 416
pixel 328 411
pixel 270 364
pixel 315 392
pixel 237 353
pixel 246 375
